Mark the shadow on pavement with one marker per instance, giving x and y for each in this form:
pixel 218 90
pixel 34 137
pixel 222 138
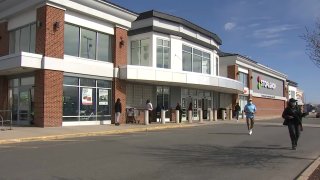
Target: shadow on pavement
pixel 231 133
pixel 217 156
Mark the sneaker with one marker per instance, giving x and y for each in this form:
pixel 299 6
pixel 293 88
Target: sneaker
pixel 294 148
pixel 250 132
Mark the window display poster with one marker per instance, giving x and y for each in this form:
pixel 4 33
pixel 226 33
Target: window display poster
pixel 86 96
pixel 103 97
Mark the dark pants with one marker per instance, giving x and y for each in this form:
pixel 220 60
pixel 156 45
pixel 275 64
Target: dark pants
pixel 250 122
pixel 236 114
pixel 294 131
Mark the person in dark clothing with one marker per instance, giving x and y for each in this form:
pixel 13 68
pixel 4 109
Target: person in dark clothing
pixel 293 116
pixel 236 111
pixel 178 107
pixel 158 112
pixel 117 110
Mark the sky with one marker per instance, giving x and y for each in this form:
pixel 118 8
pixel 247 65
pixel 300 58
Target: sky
pixel 267 31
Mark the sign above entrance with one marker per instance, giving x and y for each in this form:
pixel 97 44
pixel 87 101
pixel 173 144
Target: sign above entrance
pixel 265 84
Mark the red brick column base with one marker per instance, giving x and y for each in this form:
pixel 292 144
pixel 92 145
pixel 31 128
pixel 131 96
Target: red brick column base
pixel 48 94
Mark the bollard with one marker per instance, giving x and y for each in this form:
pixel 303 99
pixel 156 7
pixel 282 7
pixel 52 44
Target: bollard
pixel 210 114
pixel 200 115
pixel 146 117
pixel 177 116
pixel 163 121
pixel 190 116
pixel 215 115
pixel 223 114
pixel 230 114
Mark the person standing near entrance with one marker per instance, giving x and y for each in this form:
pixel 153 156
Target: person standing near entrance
pixel 292 116
pixel 178 107
pixel 250 109
pixel 117 110
pixel 237 109
pixel 149 108
pixel 189 109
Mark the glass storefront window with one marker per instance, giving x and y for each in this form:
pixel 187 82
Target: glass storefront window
pixel 88 44
pixel 87 82
pixel 90 103
pixel 104 47
pixel 195 60
pixel 70 80
pixel 91 45
pixel 163 53
pixel 22 39
pixel 70 101
pixel 27 81
pixel 71 40
pixel 104 84
pixel 140 53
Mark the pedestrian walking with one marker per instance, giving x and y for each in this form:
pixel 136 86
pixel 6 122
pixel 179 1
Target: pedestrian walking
pixel 292 118
pixel 117 110
pixel 178 107
pixel 250 109
pixel 149 108
pixel 237 109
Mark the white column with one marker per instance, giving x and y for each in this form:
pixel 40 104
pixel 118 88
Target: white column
pixel 163 112
pixel 146 117
pixel 223 114
pixel 230 114
pixel 190 117
pixel 177 116
pixel 200 115
pixel 210 114
pixel 215 115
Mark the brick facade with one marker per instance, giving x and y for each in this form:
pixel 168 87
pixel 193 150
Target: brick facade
pixel 268 107
pixel 120 59
pixel 233 74
pixel 4 39
pixel 48 83
pixel 48 98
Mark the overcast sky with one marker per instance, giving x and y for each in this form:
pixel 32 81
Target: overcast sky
pixel 267 31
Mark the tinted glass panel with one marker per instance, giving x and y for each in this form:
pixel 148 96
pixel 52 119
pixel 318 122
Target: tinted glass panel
pixel 71 40
pixel 104 48
pixel 25 39
pixel 187 61
pixel 88 44
pixel 70 80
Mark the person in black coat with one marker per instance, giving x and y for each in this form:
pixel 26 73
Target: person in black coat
pixel 117 110
pixel 237 109
pixel 293 116
pixel 178 107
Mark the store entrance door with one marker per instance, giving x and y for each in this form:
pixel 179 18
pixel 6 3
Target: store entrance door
pixel 25 106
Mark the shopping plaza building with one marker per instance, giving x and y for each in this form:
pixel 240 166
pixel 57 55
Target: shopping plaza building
pixel 66 62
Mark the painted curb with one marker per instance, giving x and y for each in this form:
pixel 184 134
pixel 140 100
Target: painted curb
pixel 307 172
pixel 98 133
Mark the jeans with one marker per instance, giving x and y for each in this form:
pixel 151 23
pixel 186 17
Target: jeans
pixel 236 114
pixel 294 131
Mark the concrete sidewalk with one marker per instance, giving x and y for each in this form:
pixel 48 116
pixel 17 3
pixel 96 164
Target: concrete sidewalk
pixel 27 134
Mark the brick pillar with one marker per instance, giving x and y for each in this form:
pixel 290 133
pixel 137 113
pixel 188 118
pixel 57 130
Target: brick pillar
pixel 120 59
pixel 3 93
pixel 233 72
pixel 4 39
pixel 250 80
pixel 49 83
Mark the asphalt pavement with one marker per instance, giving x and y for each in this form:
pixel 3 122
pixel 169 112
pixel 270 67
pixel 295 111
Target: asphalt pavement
pixel 219 150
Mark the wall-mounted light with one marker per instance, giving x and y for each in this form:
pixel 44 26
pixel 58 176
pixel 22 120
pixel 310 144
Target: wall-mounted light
pixel 56 25
pixel 251 77
pixel 121 42
pixel 39 23
pixel 238 73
